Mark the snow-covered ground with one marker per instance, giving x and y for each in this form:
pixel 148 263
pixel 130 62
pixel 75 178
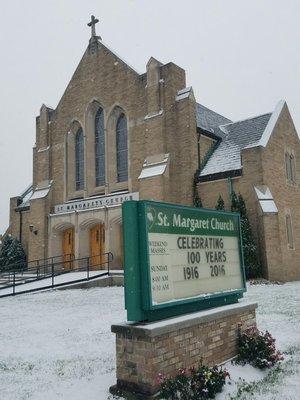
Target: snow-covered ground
pixel 278 312
pixel 58 344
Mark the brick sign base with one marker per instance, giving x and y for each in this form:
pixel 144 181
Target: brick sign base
pixel 143 351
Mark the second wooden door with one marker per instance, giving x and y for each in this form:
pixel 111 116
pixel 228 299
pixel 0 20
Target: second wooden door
pixel 97 247
pixel 68 248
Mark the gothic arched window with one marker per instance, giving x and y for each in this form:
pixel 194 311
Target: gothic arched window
pixel 99 148
pixel 79 159
pixel 122 149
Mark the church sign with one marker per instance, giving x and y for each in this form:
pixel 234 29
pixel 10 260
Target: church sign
pixel 95 202
pixel 179 259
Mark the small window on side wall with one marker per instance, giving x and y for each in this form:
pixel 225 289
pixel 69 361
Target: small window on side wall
pixel 122 149
pixel 290 167
pixel 289 231
pixel 293 168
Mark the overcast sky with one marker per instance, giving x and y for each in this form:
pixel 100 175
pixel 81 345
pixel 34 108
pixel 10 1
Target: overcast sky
pixel 240 56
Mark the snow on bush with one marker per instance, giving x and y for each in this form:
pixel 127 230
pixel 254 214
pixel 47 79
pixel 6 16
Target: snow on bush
pixel 194 384
pixel 257 348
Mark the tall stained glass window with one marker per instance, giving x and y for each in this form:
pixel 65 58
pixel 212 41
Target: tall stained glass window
pixel 79 159
pixel 99 148
pixel 122 149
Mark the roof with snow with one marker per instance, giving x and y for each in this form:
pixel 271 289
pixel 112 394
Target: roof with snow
pixel 209 120
pixel 25 197
pixel 233 137
pixel 31 193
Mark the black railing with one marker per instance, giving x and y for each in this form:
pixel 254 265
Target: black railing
pixel 23 266
pixel 50 271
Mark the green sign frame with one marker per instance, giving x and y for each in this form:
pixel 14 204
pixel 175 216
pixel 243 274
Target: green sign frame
pixel 136 227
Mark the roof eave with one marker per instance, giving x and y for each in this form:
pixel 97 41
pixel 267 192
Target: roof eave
pixel 209 134
pixel 220 175
pixel 22 208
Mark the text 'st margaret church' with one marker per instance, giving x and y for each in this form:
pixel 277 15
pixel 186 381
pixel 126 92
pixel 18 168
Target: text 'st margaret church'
pixel 117 135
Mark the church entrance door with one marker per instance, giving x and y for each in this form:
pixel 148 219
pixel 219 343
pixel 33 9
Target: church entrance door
pixel 97 246
pixel 68 248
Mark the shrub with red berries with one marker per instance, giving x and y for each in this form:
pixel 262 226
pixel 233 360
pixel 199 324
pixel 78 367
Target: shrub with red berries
pixel 257 348
pixel 193 384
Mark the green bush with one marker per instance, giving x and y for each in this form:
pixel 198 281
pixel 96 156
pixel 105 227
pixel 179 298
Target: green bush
pixel 257 348
pixel 194 384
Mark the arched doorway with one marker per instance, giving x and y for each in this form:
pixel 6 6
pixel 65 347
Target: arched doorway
pixel 68 247
pixel 97 247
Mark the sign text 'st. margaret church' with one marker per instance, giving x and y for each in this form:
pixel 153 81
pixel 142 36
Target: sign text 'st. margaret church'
pixel 117 135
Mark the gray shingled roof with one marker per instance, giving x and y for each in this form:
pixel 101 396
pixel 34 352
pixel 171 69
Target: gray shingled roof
pixel 238 135
pixel 209 120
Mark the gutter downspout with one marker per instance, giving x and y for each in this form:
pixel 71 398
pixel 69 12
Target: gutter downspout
pixel 198 149
pixel 21 226
pixel 229 186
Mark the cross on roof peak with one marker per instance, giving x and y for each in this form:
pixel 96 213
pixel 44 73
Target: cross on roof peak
pixel 92 24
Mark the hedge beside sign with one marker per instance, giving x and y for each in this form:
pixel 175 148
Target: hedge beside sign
pixel 179 259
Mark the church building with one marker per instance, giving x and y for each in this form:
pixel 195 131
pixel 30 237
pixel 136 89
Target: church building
pixel 117 135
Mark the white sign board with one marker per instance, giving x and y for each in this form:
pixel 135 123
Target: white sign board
pixel 192 254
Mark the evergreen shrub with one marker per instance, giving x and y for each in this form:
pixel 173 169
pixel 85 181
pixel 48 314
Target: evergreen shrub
pixel 220 203
pixel 196 198
pixel 250 251
pixel 12 254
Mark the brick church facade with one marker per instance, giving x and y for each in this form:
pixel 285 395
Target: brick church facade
pixel 117 135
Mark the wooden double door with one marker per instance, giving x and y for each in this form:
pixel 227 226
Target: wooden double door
pixel 96 244
pixel 97 247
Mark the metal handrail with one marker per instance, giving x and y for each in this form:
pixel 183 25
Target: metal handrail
pixel 17 278
pixel 71 260
pixel 14 266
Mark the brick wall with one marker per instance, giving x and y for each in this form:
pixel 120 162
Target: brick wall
pixel 206 144
pixel 143 353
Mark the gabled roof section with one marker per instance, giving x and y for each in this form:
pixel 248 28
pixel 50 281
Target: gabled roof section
pixel 94 46
pixel 248 132
pixel 236 137
pixel 271 125
pixel 209 120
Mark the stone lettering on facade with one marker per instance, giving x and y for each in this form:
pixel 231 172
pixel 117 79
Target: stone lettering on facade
pixel 107 201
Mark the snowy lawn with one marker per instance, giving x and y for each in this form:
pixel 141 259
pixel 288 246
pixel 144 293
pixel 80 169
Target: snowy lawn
pixel 58 345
